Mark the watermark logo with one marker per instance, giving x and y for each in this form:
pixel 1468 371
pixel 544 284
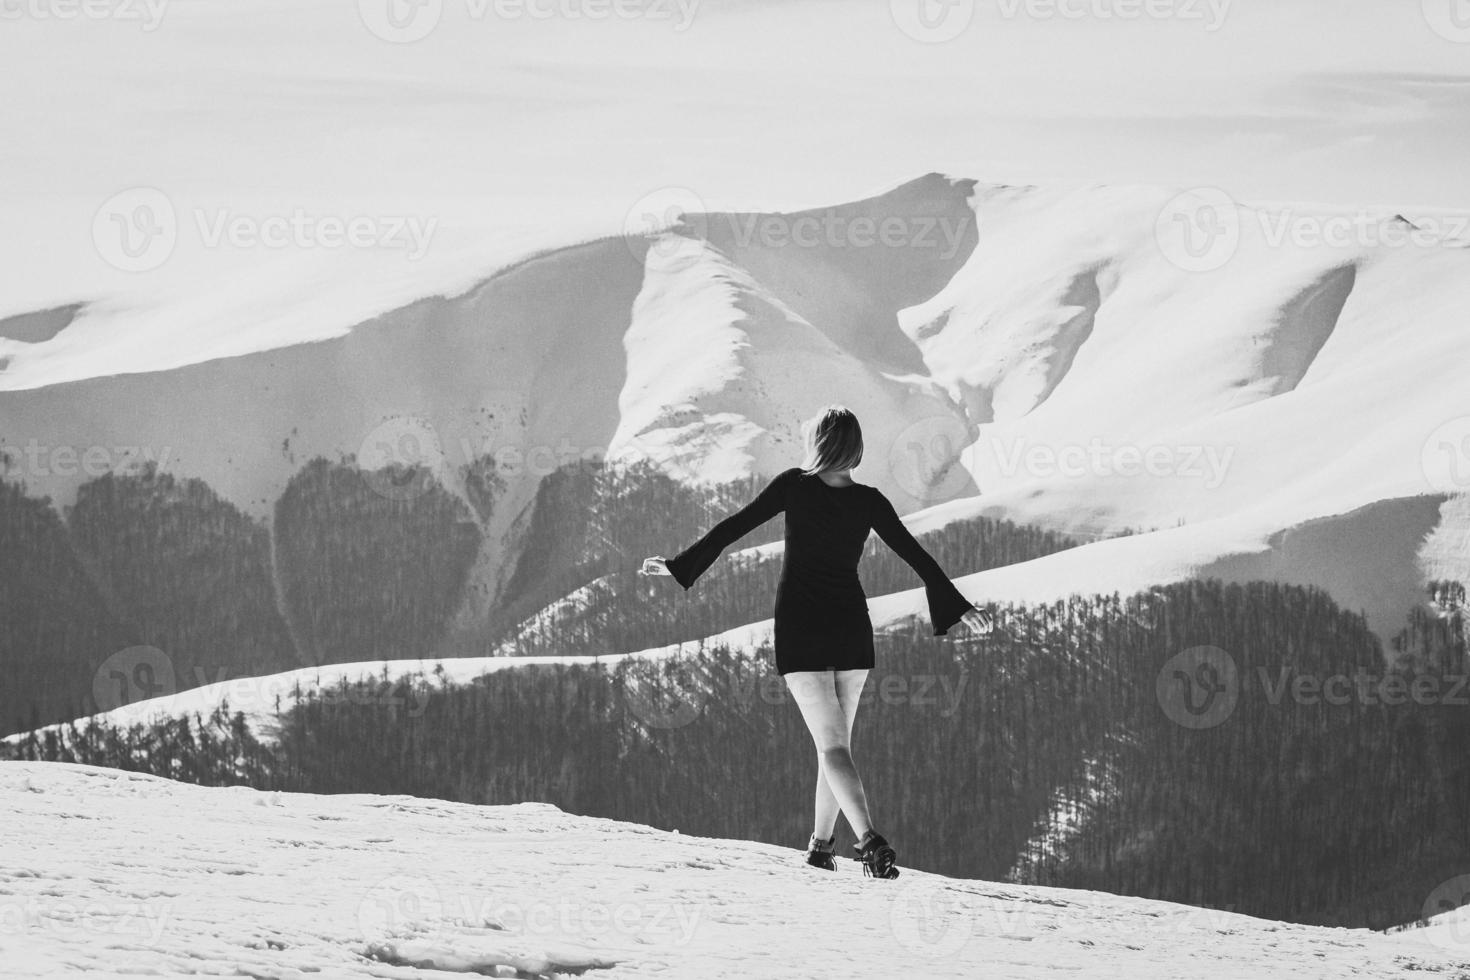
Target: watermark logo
pixel 669 225
pixel 929 921
pixel 1199 230
pixel 1453 931
pixel 1199 687
pixel 924 458
pixel 134 674
pixel 1450 19
pixel 399 904
pixel 659 697
pixel 136 230
pixel 400 21
pixel 933 21
pixel 680 453
pixel 1446 456
pixel 402 458
pixel 404 455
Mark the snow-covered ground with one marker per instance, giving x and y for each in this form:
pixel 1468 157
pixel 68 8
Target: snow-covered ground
pixel 102 875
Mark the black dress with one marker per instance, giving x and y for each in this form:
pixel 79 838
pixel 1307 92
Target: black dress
pixel 821 617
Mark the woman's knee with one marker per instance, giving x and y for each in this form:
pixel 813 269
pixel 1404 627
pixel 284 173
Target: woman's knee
pixel 836 754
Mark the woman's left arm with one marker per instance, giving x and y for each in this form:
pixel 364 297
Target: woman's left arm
pixel 946 605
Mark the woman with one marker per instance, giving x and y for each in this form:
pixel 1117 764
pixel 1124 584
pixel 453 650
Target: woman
pixel 823 635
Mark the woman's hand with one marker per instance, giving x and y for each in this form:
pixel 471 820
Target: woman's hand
pixel 978 620
pixel 654 566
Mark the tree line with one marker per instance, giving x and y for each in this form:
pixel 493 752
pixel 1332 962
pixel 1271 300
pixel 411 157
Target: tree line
pixel 358 565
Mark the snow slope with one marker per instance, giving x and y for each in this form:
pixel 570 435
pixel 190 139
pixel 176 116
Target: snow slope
pixel 1374 559
pixel 262 699
pixel 103 877
pixel 1287 379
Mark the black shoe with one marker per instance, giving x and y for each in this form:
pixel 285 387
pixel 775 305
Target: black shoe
pixel 819 852
pixel 878 857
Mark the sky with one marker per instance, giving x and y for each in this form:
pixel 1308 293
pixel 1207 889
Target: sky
pixel 500 126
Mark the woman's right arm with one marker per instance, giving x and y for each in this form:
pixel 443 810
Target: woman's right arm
pixel 688 565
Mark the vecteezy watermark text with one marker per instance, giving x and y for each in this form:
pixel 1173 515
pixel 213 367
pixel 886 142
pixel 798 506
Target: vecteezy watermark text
pixel 119 921
pixel 1201 230
pixel 1201 687
pixel 938 21
pixel 675 222
pixel 402 902
pixel 142 673
pixel 303 230
pixel 1098 458
pixel 1210 13
pixel 835 230
pixel 137 230
pixel 407 21
pixel 404 456
pixel 148 14
pixel 37 459
pixel 675 698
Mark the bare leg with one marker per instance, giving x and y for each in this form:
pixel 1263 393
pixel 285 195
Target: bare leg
pixel 816 695
pixel 826 809
pixel 849 685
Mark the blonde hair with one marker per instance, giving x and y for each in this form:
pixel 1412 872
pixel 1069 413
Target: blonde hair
pixel 834 440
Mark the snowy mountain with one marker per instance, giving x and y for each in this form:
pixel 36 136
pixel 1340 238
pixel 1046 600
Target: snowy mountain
pixel 274 884
pixel 1261 403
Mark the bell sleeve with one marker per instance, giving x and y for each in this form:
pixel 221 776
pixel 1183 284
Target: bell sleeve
pixel 691 563
pixel 946 605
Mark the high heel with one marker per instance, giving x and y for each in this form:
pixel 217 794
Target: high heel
pixel 819 852
pixel 878 857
